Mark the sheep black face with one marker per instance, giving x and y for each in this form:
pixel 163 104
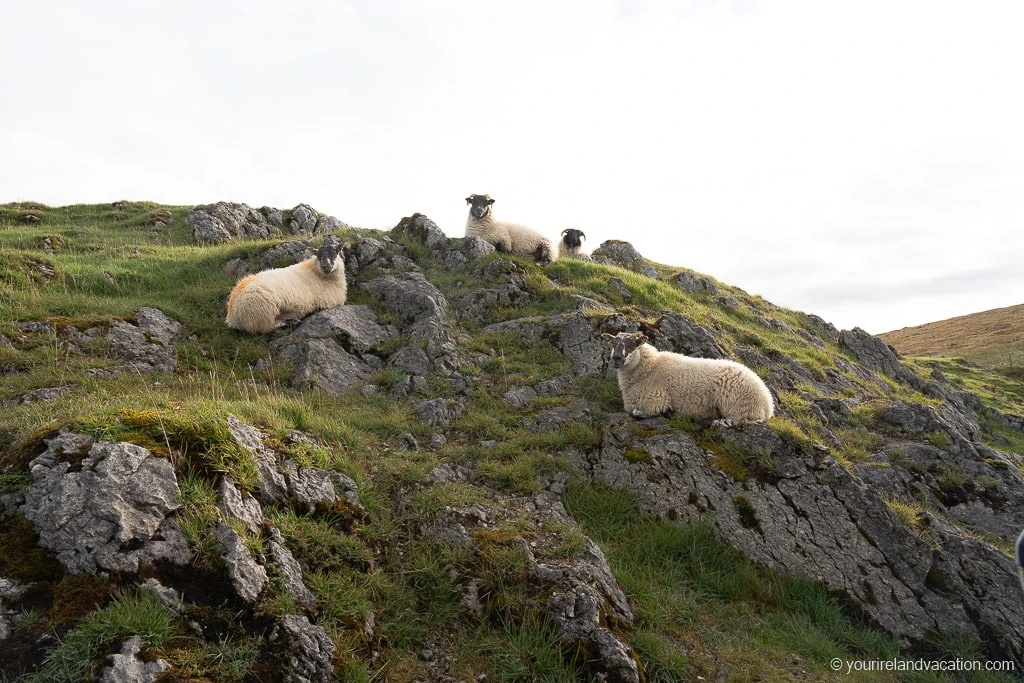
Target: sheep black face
pixel 573 238
pixel 326 258
pixel 479 205
pixel 623 344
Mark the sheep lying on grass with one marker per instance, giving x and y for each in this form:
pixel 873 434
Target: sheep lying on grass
pixel 571 245
pixel 653 382
pixel 509 237
pixel 259 302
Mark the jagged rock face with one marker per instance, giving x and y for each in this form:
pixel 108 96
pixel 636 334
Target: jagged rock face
pixel 310 651
pixel 808 516
pixel 114 512
pixel 147 345
pixel 226 221
pixel 624 255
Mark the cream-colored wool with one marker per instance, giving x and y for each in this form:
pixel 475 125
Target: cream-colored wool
pixel 259 302
pixel 510 237
pixel 653 382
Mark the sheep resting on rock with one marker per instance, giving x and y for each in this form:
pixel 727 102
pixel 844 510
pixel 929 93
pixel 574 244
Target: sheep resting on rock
pixel 654 382
pixel 259 302
pixel 509 237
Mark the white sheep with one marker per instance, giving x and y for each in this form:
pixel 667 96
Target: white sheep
pixel 259 302
pixel 517 239
pixel 653 382
pixel 571 245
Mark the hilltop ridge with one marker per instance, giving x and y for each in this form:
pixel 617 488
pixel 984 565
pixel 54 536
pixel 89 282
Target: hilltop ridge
pixel 436 481
pixel 993 338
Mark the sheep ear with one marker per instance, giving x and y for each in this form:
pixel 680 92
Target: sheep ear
pixel 642 338
pixel 565 231
pixel 489 202
pixel 469 200
pixel 583 235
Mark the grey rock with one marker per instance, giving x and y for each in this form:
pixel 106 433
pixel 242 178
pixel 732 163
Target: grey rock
pixel 224 221
pixel 579 342
pixel 584 602
pixel 425 314
pixel 806 515
pixel 115 513
pixel 439 412
pixel 127 667
pixel 279 256
pixel 274 216
pixel 38 396
pixel 475 248
pixel 310 651
pixel 329 224
pixel 618 286
pixel 233 504
pixel 556 418
pixel 411 360
pixel 554 386
pixel 693 284
pixel 877 355
pixel 423 230
pixel 302 220
pixel 147 346
pixel 619 253
pixel 674 332
pixel 355 327
pixel 247 575
pixel 289 570
pixel 517 397
pixel 324 364
pixel 273 486
pixel 168 596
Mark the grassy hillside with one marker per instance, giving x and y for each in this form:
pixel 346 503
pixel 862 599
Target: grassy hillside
pixel 992 339
pixel 389 598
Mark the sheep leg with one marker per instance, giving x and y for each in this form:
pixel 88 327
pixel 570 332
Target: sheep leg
pixel 651 404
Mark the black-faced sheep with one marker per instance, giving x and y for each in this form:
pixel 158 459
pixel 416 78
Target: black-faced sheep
pixel 517 239
pixel 259 302
pixel 653 382
pixel 571 245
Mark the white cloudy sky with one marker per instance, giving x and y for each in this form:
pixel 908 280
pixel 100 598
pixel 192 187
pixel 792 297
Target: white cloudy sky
pixel 861 160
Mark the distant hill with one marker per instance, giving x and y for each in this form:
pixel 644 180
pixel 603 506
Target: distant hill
pixel 991 338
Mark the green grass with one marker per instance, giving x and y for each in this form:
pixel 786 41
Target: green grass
pixel 699 604
pixel 130 613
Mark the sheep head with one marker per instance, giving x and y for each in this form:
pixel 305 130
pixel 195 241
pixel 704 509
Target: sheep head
pixel 479 205
pixel 572 237
pixel 623 344
pixel 326 258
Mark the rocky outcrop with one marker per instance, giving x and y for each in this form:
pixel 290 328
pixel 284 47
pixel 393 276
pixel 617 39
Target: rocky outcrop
pixel 623 255
pixel 803 513
pixel 111 510
pixel 226 221
pixel 145 344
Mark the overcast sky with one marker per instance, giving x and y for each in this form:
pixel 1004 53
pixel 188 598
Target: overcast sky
pixel 860 160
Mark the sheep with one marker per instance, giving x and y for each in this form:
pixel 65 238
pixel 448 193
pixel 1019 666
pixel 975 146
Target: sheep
pixel 653 382
pixel 259 302
pixel 509 237
pixel 571 245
